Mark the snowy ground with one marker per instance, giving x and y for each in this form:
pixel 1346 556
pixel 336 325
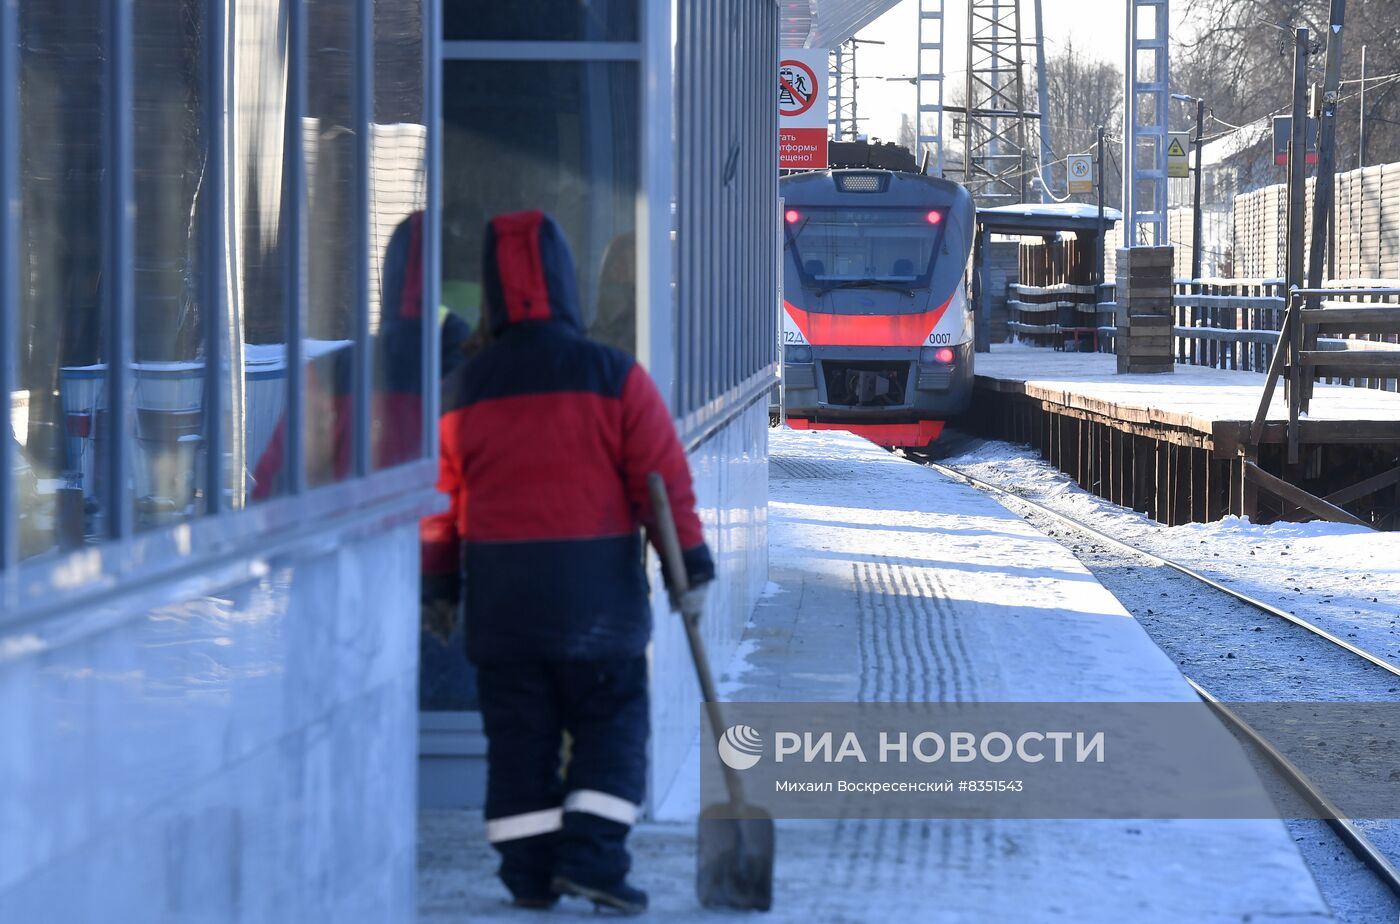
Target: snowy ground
pixel 1345 579
pixel 896 584
pixel 1233 650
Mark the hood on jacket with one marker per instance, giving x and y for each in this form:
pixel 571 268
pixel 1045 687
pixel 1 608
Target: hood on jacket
pixel 528 272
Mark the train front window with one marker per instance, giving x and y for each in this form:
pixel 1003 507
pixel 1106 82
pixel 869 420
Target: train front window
pixel 852 248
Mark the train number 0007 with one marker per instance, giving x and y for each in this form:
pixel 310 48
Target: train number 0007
pixel 936 339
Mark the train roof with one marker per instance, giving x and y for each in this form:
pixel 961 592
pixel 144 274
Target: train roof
pixel 846 187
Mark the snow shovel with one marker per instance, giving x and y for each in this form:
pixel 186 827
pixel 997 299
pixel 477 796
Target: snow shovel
pixel 734 854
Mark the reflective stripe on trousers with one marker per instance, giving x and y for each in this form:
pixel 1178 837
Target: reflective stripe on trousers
pixel 527 824
pixel 602 804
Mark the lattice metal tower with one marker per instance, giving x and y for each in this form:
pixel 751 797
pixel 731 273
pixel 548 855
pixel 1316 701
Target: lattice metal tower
pixel 1145 125
pixel 841 76
pixel 995 133
pixel 928 87
pixel 844 119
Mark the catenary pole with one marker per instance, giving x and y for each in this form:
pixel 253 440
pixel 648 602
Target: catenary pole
pixel 1197 231
pixel 1361 133
pixel 1326 165
pixel 1099 251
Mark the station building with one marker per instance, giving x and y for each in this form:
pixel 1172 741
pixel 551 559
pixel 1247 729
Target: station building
pixel 229 230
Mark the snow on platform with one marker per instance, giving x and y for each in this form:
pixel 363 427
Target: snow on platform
pixel 1216 402
pixel 861 543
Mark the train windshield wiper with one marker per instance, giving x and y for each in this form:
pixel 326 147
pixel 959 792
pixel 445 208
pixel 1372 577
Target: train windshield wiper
pixel 904 287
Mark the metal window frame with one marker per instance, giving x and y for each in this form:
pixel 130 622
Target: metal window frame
pixel 213 296
pixel 508 50
pixel 363 115
pixel 119 301
pixel 90 588
pixel 431 12
pixel 9 284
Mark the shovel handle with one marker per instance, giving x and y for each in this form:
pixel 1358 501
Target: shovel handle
pixel 675 565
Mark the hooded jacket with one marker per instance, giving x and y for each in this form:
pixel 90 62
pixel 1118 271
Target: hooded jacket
pixel 547 439
pixel 397 395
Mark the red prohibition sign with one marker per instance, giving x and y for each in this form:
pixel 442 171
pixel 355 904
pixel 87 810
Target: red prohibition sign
pixel 791 92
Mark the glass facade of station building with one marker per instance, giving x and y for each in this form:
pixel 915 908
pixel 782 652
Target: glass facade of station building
pixel 647 130
pixel 229 230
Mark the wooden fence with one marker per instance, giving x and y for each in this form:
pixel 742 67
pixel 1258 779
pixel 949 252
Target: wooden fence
pixel 1366 230
pixel 1235 324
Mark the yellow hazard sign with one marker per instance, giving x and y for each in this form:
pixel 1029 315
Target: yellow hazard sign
pixel 1178 164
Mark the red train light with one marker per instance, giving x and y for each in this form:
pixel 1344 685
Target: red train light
pixel 934 217
pixel 944 356
pixel 792 216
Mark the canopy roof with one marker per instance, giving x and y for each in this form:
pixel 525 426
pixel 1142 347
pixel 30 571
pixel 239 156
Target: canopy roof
pixel 1044 217
pixel 826 23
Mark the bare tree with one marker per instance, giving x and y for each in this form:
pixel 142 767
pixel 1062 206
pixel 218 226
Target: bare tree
pixel 906 135
pixel 1085 92
pixel 1239 59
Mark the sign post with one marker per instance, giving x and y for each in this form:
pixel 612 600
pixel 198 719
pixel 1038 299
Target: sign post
pixel 1283 132
pixel 1178 161
pixel 1081 173
pixel 802 116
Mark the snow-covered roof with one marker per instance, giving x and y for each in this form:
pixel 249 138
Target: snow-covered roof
pixel 1238 141
pixel 1055 210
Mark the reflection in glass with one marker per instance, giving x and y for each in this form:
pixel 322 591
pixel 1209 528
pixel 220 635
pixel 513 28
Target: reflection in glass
pixel 540 20
pixel 57 412
pixel 328 138
pixel 557 136
pixel 397 194
pixel 169 96
pixel 554 135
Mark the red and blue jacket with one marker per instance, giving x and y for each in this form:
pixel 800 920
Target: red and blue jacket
pixel 397 395
pixel 547 439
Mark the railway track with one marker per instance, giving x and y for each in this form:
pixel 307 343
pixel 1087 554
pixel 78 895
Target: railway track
pixel 1350 835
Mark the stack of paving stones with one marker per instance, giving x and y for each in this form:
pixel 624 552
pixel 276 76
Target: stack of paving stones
pixel 1144 315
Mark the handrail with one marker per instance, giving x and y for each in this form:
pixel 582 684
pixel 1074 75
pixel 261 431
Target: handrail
pixel 1298 336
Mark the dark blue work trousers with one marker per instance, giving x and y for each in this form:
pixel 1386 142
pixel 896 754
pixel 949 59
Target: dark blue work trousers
pixel 546 819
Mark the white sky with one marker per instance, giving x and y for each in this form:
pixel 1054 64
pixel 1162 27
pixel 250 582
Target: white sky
pixel 1094 25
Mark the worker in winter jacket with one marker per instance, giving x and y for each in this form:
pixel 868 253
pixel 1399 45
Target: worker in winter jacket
pixel 547 441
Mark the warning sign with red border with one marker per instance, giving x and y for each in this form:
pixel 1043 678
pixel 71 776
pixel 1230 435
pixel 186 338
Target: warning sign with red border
pixel 802 118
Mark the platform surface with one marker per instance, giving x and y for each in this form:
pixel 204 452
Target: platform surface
pixel 1209 401
pixel 864 547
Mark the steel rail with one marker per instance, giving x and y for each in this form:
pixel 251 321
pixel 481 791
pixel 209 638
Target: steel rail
pixel 1245 598
pixel 1346 830
pixel 1350 835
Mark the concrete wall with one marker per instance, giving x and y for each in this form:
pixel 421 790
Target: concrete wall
pixel 245 754
pixel 731 487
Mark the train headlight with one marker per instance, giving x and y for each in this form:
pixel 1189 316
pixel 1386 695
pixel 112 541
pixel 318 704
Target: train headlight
pixel 797 353
pixel 943 356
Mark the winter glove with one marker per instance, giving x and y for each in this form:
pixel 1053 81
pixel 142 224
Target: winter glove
pixel 699 572
pixel 691 603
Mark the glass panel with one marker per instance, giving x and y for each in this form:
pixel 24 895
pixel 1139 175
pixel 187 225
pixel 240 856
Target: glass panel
pixel 398 143
pixel 557 136
pixel 257 300
pixel 329 139
pixel 58 417
pixel 842 248
pixel 169 96
pixel 540 20
pixel 553 135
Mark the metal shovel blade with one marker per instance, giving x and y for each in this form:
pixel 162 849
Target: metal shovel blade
pixel 734 858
